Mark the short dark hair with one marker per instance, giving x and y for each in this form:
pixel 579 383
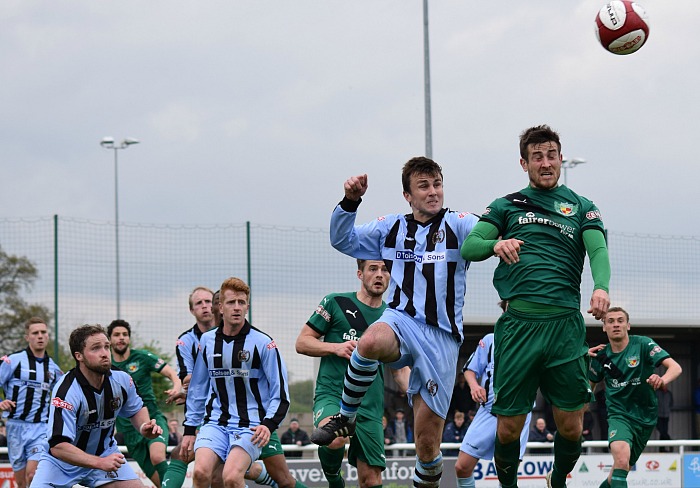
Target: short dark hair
pixel 537 135
pixel 32 321
pixel 118 323
pixel 418 166
pixel 620 309
pixel 79 337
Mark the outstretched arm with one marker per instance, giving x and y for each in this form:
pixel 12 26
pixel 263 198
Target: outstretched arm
pixel 597 251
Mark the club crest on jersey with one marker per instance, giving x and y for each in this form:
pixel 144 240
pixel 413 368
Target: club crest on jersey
pixel 132 368
pixel 115 403
pixel 632 361
pixel 350 335
pixel 438 236
pixel 432 387
pixel 565 208
pixel 323 313
pixel 58 403
pixel 243 356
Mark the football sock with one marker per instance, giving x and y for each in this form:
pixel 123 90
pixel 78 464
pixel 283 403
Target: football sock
pixel 175 475
pixel 566 453
pixel 331 462
pixel 507 458
pixel 427 475
pixel 619 478
pixel 466 482
pixel 358 378
pixel 264 477
pixel 162 469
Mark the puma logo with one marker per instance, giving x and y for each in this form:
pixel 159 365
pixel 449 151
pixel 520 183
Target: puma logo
pixel 354 314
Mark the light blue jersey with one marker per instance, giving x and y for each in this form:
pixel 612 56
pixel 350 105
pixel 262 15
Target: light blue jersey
pixel 238 381
pixel 480 439
pixel 27 380
pixel 428 274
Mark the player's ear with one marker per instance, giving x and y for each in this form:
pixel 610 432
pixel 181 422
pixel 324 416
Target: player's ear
pixel 523 164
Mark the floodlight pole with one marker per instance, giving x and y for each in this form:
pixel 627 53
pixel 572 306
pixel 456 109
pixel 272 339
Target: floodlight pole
pixel 426 71
pixel 108 143
pixel 570 163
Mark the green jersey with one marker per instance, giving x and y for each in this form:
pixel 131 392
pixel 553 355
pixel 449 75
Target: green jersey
pixel 140 365
pixel 625 373
pixel 551 225
pixel 341 317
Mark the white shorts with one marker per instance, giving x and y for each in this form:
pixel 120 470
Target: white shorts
pixel 54 473
pixel 480 439
pixel 27 442
pixel 432 355
pixel 222 439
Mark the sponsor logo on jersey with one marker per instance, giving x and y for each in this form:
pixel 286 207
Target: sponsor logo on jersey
pixel 350 335
pixel 462 215
pixel 531 218
pixel 323 313
pixel 432 387
pixel 379 219
pixel 103 424
pixel 272 345
pixel 6 359
pixel 632 361
pixel 482 344
pixel 593 214
pixel 223 372
pixel 429 257
pixel 487 211
pixel 58 403
pixel 132 367
pixel 613 433
pixel 179 343
pixel 159 363
pixel 566 208
pixel 243 356
pixel 34 384
pixel 438 236
pixel 653 352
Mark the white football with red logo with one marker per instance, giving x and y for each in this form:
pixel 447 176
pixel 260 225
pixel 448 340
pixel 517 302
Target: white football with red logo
pixel 622 26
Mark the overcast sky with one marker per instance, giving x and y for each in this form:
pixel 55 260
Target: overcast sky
pixel 259 110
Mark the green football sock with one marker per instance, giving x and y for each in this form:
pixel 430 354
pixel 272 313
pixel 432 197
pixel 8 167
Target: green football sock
pixel 619 478
pixel 566 453
pixel 162 469
pixel 331 462
pixel 299 484
pixel 507 458
pixel 175 475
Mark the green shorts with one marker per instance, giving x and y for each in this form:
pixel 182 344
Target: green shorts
pixel 548 353
pixel 633 433
pixel 273 448
pixel 367 444
pixel 137 445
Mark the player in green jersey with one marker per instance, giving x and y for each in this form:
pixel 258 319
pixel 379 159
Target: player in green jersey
pixel 627 364
pixel 139 364
pixel 340 319
pixel 541 235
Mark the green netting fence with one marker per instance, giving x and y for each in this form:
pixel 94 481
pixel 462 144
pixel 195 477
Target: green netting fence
pixel 289 269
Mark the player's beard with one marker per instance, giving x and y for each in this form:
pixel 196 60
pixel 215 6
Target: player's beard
pixel 98 368
pixel 120 350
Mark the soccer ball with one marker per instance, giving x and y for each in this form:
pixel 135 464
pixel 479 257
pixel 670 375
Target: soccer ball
pixel 622 26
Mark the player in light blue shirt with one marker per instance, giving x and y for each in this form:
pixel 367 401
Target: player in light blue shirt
pixel 26 378
pixel 422 325
pixel 238 391
pixel 84 406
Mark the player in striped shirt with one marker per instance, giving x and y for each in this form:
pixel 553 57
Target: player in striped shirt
pixel 27 378
pixel 238 391
pixel 422 325
pixel 84 407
